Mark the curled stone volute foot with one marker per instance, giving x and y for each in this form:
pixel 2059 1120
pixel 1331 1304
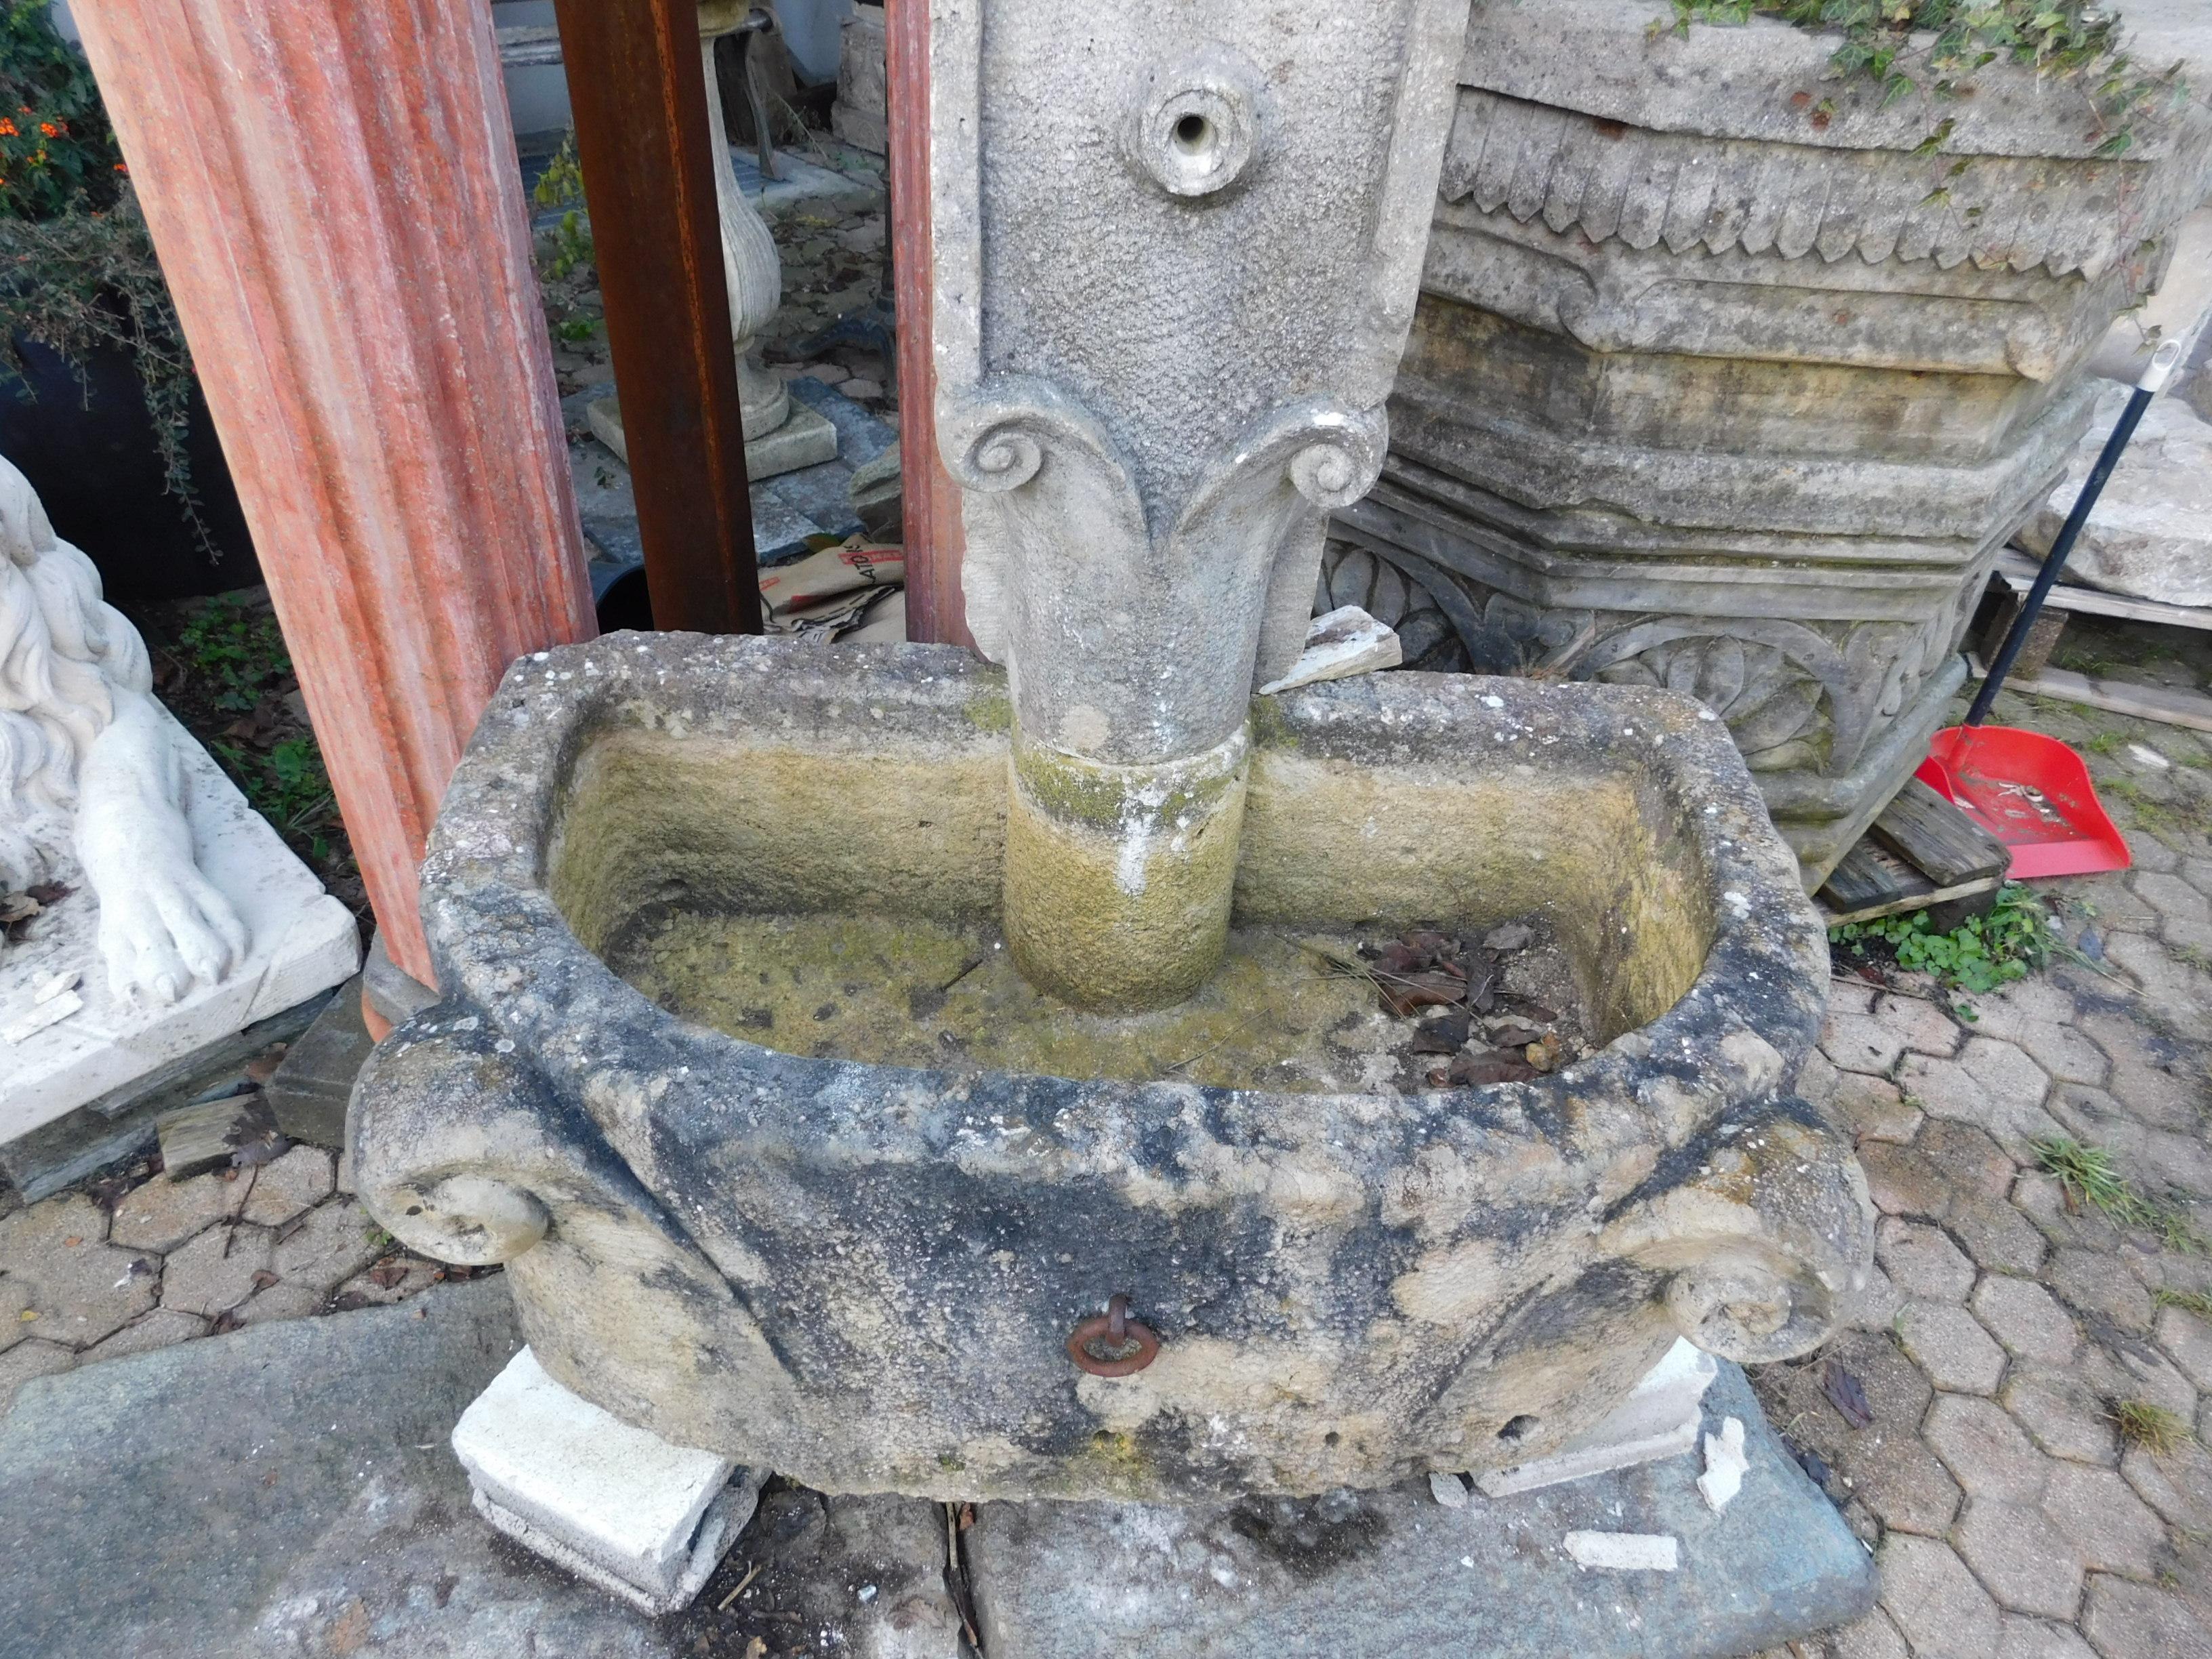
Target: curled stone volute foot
pixel 472 1220
pixel 1743 1306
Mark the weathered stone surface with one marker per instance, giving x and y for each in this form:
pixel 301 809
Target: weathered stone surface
pixel 1937 1605
pixel 2026 1318
pixel 484 1133
pixel 1924 1264
pixel 2107 1524
pixel 2021 1558
pixel 28 1358
pixel 309 1092
pixel 2035 1639
pixel 2150 532
pixel 1951 1347
pixel 1988 1451
pixel 2062 1415
pixel 161 1328
pixel 78 1288
pixel 2126 1620
pixel 214 1272
pixel 1391 1572
pixel 1873 1108
pixel 280 1190
pixel 336 1241
pixel 2187 1340
pixel 161 1213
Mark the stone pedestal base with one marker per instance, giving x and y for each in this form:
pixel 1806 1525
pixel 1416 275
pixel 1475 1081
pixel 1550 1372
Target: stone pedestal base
pixel 805 439
pixel 1396 1572
pixel 614 1504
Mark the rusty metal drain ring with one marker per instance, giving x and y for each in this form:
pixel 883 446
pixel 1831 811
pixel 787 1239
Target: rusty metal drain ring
pixel 1112 1344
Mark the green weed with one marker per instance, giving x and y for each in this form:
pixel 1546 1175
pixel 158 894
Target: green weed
pixel 2156 1430
pixel 2089 1176
pixel 1980 954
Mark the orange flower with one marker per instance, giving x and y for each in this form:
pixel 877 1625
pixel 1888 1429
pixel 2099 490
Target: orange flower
pixel 49 128
pixel 119 167
pixel 7 128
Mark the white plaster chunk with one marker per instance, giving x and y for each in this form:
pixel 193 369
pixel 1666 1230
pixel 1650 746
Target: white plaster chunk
pixel 1344 642
pixel 1725 1465
pixel 45 1010
pixel 1660 1419
pixel 616 1504
pixel 1624 1552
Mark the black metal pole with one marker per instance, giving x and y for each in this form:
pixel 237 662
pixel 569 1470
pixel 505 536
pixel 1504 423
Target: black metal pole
pixel 2163 363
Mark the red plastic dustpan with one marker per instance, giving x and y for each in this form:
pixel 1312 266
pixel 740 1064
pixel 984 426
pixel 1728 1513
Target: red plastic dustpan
pixel 2032 793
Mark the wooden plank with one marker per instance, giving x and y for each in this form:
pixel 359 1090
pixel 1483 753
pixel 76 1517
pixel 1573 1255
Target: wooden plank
pixel 1834 917
pixel 2017 571
pixel 2165 704
pixel 1870 877
pixel 1943 844
pixel 210 1135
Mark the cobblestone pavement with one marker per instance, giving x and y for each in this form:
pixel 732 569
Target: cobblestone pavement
pixel 2003 1330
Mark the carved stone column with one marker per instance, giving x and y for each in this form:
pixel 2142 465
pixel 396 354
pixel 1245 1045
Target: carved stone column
pixel 1148 435
pixel 333 193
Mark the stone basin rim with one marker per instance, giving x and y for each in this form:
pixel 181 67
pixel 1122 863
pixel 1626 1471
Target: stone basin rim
pixel 494 930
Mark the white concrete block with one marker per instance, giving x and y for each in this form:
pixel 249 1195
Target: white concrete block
pixel 1344 642
pixel 613 1503
pixel 1660 1419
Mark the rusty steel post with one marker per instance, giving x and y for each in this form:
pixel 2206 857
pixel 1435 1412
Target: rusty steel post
pixel 639 98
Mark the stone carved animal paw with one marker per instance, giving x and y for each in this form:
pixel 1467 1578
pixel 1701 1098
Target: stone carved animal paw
pixel 162 926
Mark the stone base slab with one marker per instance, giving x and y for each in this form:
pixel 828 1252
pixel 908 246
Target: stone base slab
pixel 1362 1576
pixel 300 941
pixel 805 439
pixel 614 1504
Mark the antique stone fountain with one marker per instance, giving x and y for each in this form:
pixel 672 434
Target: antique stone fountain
pixel 701 909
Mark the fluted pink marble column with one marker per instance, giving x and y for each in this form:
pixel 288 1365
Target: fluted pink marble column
pixel 333 190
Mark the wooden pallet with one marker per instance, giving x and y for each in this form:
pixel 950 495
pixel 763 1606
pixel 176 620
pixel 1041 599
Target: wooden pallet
pixel 1922 852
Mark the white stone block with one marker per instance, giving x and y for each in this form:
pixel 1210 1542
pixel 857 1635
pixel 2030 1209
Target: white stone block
pixel 300 940
pixel 1343 642
pixel 1660 1419
pixel 1725 1465
pixel 614 1503
pixel 1624 1552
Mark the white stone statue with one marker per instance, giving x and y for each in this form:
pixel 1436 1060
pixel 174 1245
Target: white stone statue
pixel 89 761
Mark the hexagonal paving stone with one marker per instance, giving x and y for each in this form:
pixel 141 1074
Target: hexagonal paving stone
pixel 1923 1260
pixel 282 1301
pixel 160 1214
pixel 2062 1415
pixel 335 1242
pixel 2180 1160
pixel 2187 1340
pixel 1934 1601
pixel 1925 1028
pixel 1902 1182
pixel 2065 1053
pixel 215 1271
pixel 1967 1158
pixel 1903 1483
pixel 80 1288
pixel 2126 1620
pixel 1873 1108
pixel 1871 1637
pixel 2110 1528
pixel 2095 1282
pixel 164 1327
pixel 1872 1306
pixel 1949 1344
pixel 2178 1486
pixel 2157 1097
pixel 2136 1371
pixel 2004 1069
pixel 2171 895
pixel 414 1274
pixel 2026 1318
pixel 281 1189
pixel 1860 1042
pixel 27 1359
pixel 2023 1560
pixel 2036 1638
pixel 1990 1454
pixel 1997 1236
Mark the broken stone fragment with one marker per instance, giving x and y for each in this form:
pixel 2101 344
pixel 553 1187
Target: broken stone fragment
pixel 1623 1552
pixel 1725 1464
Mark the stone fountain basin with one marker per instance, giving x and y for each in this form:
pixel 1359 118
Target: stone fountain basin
pixel 863 1276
